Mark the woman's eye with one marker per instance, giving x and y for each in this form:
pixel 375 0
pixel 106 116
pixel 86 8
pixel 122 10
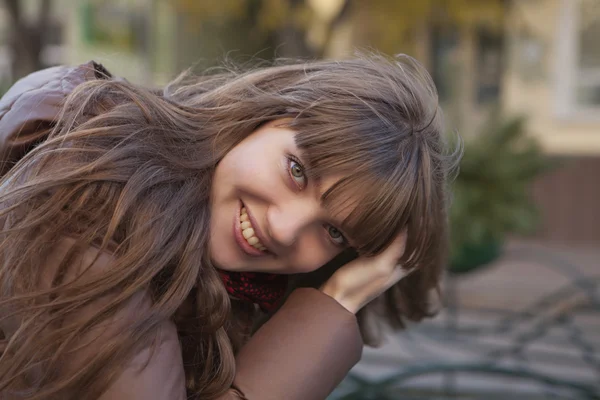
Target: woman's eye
pixel 297 173
pixel 336 236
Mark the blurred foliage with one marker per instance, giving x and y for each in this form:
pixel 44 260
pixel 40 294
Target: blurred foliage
pixel 492 190
pixel 387 25
pixel 272 15
pixel 393 23
pixel 110 24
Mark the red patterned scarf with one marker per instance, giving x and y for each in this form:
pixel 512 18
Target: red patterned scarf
pixel 263 289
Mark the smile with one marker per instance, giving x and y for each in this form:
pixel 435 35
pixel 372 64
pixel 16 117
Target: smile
pixel 248 231
pixel 246 235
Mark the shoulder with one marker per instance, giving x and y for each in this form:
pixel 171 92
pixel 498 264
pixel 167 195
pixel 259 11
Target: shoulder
pixel 33 104
pixel 84 266
pixel 155 370
pixel 51 83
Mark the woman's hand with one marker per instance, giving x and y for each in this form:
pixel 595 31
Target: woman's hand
pixel 364 279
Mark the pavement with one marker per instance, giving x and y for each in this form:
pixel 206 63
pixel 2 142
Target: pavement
pixel 534 311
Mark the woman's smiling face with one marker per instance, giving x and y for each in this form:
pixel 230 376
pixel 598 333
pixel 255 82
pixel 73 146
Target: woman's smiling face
pixel 266 215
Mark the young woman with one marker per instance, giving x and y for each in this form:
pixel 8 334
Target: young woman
pixel 141 227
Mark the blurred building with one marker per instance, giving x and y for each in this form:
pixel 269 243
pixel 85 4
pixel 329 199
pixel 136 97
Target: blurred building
pixel 553 72
pixel 552 75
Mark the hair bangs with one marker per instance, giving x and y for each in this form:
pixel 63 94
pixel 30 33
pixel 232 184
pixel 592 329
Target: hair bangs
pixel 372 214
pixel 374 197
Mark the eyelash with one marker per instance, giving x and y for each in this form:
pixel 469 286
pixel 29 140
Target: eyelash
pixel 344 240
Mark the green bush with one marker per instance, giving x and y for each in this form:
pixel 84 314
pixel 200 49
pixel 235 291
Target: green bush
pixel 491 191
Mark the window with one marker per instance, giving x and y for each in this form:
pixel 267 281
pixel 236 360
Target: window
pixel 578 59
pixel 489 65
pixel 588 74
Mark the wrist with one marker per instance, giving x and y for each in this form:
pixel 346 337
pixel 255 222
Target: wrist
pixel 335 293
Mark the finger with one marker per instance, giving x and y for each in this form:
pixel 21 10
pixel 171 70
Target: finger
pixel 384 262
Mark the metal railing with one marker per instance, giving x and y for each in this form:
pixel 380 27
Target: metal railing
pixel 548 349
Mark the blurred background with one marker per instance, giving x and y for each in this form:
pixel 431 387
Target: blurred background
pixel 518 79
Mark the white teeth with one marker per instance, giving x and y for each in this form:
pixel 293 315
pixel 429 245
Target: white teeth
pixel 248 231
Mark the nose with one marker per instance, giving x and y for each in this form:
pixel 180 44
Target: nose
pixel 285 222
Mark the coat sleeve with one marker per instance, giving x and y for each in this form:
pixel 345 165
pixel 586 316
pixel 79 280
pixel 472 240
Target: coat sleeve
pixel 30 107
pixel 302 353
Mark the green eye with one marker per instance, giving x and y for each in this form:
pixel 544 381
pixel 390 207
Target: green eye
pixel 336 236
pixel 296 170
pixel 297 173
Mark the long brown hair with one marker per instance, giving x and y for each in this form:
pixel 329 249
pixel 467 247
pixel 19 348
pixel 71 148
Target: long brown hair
pixel 128 170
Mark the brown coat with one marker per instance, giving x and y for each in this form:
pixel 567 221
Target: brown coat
pixel 301 353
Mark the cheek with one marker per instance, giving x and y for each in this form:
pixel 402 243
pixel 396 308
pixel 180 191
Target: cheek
pixel 255 170
pixel 221 237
